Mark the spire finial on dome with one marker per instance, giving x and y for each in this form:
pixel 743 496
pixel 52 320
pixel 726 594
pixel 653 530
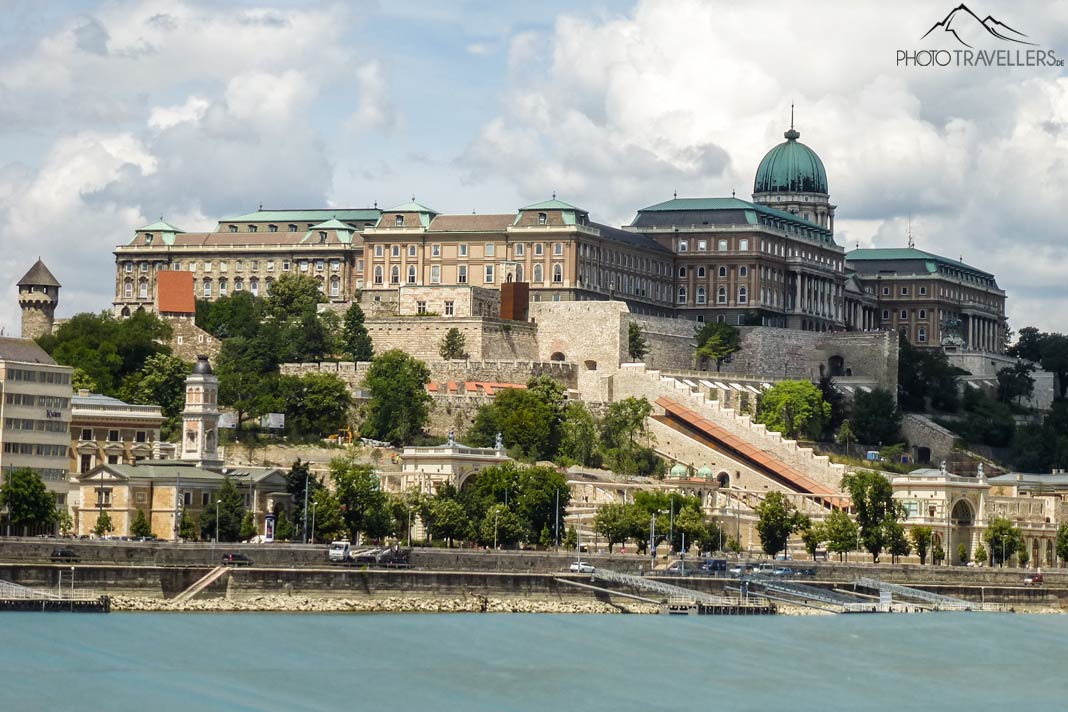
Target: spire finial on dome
pixel 793 134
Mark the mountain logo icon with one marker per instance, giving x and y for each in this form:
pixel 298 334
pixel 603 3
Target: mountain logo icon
pixel 968 29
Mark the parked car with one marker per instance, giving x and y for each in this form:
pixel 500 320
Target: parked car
pixel 782 571
pixel 236 559
pixel 1034 579
pixel 805 572
pixel 582 567
pixel 65 556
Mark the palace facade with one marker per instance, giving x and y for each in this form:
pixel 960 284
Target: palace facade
pixel 771 261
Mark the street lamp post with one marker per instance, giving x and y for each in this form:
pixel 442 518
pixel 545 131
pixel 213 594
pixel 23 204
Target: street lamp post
pixel 652 542
pixel 217 503
pixel 314 505
pixel 558 519
pixel 306 505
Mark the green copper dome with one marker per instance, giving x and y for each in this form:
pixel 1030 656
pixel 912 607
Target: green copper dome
pixel 705 472
pixel 791 167
pixel 679 470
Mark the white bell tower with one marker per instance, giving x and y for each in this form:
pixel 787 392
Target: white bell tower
pixel 200 419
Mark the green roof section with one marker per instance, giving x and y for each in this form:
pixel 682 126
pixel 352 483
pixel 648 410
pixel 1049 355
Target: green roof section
pixel 315 215
pixel 343 231
pixel 902 254
pixel 160 226
pixel 752 210
pixel 554 204
pixel 791 167
pixel 411 207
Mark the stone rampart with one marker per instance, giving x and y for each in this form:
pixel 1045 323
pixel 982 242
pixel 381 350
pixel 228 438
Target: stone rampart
pixel 486 338
pixel 441 372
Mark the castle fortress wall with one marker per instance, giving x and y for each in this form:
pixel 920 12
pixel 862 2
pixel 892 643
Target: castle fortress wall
pixel 486 338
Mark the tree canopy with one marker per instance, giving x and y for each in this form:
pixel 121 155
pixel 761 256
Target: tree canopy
pixel 875 417
pixel 231 511
pixel 399 404
pixel 875 508
pixel 717 341
pixel 355 342
pixel 794 408
pixel 637 346
pixel 453 345
pixel 29 502
pixel 777 519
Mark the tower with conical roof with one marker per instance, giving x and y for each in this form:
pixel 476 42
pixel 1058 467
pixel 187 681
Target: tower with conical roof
pixel 200 417
pixel 791 177
pixel 38 297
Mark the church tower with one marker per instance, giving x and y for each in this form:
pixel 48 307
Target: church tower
pixel 200 419
pixel 38 297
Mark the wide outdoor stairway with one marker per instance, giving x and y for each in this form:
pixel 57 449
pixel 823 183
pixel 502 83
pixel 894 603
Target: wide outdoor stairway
pixel 688 409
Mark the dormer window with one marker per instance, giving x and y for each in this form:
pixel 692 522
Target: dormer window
pixel 399 220
pixel 272 228
pixel 542 218
pixel 322 236
pixel 253 228
pixel 148 238
pixel 233 228
pixel 291 227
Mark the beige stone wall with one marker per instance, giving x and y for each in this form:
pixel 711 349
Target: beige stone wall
pixel 671 341
pixel 441 372
pixel 486 338
pixel 592 335
pixel 189 341
pixel 465 301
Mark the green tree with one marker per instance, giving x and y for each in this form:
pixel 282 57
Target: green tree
pixel 875 508
pixel 985 421
pixel 248 527
pixel 613 522
pixel 238 314
pixel 453 345
pixel 897 543
pixel 578 443
pixel 316 404
pixel 981 554
pixel 247 370
pixel 717 342
pixel 503 526
pixel 1062 542
pixel 777 519
pixel 292 296
pixel 875 417
pixel 525 422
pixel 1028 345
pixel 834 398
pixel 140 526
pixel 1015 382
pixel 355 341
pixel 65 522
pixel 840 532
pixel 962 554
pixel 925 375
pixel 362 501
pixel 1055 360
pixel 283 527
pixel 921 539
pixel 449 520
pixel 637 346
pixel 103 525
pixel 545 538
pixel 298 478
pixel 399 405
pixel 1003 539
pixel 794 408
pixel 812 537
pixel 329 519
pixel 187 527
pixel 571 539
pixel 107 350
pixel 624 436
pixel 690 521
pixel 845 436
pixel 229 506
pixel 29 503
pixel 160 382
pixel 938 554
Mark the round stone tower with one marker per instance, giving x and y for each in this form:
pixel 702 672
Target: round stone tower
pixel 200 418
pixel 791 177
pixel 38 297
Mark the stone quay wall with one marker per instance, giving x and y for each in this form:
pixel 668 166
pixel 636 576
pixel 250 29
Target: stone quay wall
pixel 441 372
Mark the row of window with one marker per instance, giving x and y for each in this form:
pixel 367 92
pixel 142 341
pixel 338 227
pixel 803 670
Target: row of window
pixel 140 436
pixel 922 291
pixel 921 314
pixel 743 271
pixel 239 266
pixel 35 449
pixel 333 288
pixel 58 402
pixel 27 376
pixel 45 426
pixel 722 245
pixel 49 474
pixel 721 295
pixel 488 275
pixel 489 249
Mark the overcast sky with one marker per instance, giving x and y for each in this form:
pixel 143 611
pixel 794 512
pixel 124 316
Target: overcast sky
pixel 113 114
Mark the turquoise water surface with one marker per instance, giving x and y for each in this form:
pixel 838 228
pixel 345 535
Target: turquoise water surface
pixel 555 663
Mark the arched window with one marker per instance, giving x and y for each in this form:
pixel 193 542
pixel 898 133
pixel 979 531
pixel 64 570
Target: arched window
pixel 222 287
pixel 239 285
pixel 743 295
pixel 207 288
pixel 682 295
pixel 394 275
pixel 378 274
pixel 542 218
pixel 557 356
pixel 142 289
pixel 682 271
pixel 702 296
pixel 721 295
pixel 127 288
pixel 558 272
pixel 722 271
pixel 399 221
pixel 921 335
pixel 519 274
pixel 701 271
pixel 335 286
pixel 539 277
pixel 411 274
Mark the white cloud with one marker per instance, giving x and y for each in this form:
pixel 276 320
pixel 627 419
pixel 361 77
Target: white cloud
pixel 376 109
pixel 192 111
pixel 617 113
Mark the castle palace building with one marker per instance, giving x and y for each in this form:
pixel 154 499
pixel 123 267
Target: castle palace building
pixel 770 261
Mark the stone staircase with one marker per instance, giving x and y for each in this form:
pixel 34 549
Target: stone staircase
pixel 634 380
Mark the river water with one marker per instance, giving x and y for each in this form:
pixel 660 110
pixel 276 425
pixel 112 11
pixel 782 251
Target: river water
pixel 548 663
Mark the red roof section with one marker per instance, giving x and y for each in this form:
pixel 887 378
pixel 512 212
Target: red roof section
pixel 174 292
pixel 715 433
